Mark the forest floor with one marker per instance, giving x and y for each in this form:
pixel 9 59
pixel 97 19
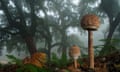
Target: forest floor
pixel 109 63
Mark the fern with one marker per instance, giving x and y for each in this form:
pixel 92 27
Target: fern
pixel 25 67
pixel 14 59
pixel 60 62
pixel 63 60
pixel 109 48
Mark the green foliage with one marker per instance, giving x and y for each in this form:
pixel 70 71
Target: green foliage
pixel 0 65
pixel 109 48
pixel 25 67
pixel 31 68
pixel 84 56
pixel 14 60
pixel 115 40
pixel 44 70
pixel 80 61
pixel 60 62
pixel 63 59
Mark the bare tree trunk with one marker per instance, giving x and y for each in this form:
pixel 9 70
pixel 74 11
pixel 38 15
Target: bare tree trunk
pixel 30 44
pixel 49 51
pixel 113 26
pixel 64 45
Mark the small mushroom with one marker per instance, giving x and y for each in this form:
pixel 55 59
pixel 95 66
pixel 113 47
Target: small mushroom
pixel 74 52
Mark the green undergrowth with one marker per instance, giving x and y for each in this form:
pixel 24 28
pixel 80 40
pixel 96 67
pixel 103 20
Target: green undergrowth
pixel 25 67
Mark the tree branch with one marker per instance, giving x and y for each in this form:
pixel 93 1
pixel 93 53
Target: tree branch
pixel 9 32
pixel 33 17
pixel 56 44
pixel 21 15
pixel 7 13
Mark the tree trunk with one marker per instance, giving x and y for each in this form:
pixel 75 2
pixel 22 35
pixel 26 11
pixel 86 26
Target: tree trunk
pixel 49 52
pixel 113 26
pixel 30 44
pixel 64 45
pixel 21 26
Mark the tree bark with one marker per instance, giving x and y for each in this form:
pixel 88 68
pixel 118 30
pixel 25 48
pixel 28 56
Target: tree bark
pixel 49 51
pixel 31 45
pixel 113 26
pixel 21 26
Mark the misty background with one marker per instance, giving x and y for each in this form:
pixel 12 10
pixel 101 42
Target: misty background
pixel 53 26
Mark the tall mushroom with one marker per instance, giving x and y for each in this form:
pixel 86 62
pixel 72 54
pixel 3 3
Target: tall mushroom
pixel 90 22
pixel 74 52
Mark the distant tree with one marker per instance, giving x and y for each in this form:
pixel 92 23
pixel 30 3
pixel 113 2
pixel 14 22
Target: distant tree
pixel 111 8
pixel 18 20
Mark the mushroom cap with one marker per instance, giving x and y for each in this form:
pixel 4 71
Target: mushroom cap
pixel 74 52
pixel 90 22
pixel 38 59
pixel 40 56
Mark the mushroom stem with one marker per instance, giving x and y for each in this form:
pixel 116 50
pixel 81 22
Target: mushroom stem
pixel 90 49
pixel 75 63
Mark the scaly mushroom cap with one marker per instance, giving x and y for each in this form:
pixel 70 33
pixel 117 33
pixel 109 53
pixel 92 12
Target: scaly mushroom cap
pixel 38 59
pixel 74 52
pixel 90 22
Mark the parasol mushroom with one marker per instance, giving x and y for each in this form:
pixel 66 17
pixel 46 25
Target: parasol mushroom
pixel 74 52
pixel 38 59
pixel 90 22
